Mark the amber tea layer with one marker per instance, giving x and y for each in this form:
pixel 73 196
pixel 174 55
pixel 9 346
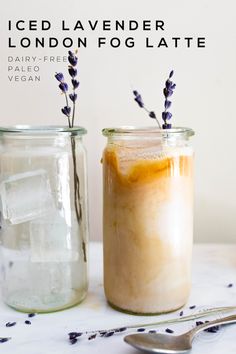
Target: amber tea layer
pixel 148 201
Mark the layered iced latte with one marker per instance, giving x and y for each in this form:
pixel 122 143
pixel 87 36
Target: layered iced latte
pixel 148 222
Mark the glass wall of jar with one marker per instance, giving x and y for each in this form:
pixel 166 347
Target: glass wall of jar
pixel 44 217
pixel 147 218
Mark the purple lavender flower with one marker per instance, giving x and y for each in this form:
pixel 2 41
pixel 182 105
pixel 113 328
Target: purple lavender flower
pixel 63 87
pixel 73 97
pixel 59 77
pixel 168 92
pixel 167 104
pixel 138 99
pixel 152 115
pixel 168 330
pixel 166 126
pixel 66 110
pixel 3 340
pixel 75 83
pixel 72 71
pixel 166 116
pixel 72 58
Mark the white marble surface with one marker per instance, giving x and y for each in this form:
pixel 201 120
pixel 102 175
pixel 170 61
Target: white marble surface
pixel 214 266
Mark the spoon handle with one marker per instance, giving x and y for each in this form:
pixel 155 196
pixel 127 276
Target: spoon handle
pixel 220 321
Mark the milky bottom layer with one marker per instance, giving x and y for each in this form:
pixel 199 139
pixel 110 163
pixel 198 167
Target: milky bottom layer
pixel 148 238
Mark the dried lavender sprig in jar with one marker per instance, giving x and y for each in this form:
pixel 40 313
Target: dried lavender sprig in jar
pixel 168 92
pixel 139 100
pixel 70 114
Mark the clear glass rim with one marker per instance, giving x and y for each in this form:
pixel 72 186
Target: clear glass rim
pixel 42 130
pixel 147 131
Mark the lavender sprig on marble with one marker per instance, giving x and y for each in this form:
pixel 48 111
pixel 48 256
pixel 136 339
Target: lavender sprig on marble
pixel 90 335
pixel 168 92
pixel 63 86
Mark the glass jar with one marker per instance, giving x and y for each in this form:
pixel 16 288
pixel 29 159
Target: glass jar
pixel 147 218
pixel 44 217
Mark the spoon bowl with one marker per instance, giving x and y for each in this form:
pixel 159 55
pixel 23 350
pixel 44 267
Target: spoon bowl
pixel 159 343
pixel 169 344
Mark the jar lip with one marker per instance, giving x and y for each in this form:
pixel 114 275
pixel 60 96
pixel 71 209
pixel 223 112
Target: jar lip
pixel 150 131
pixel 43 130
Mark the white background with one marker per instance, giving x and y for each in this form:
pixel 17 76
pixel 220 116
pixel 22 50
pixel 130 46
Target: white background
pixel 204 97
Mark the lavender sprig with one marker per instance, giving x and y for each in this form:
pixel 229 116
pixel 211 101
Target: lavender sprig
pixel 139 100
pixel 70 114
pixel 168 92
pixel 105 333
pixel 63 86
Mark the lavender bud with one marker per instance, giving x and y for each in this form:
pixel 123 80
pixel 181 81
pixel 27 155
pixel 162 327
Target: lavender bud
pixel 168 115
pixel 169 92
pixel 122 329
pixel 3 340
pixel 152 115
pixel 168 330
pixel 10 324
pixel 171 73
pixel 74 334
pixel 59 77
pixel 73 60
pixel 135 93
pixel 173 86
pixel 168 84
pixel 31 314
pixel 166 126
pixel 109 334
pixel 66 110
pixel 75 83
pixel 73 340
pixel 164 115
pixel 198 323
pixel 167 104
pixel 73 97
pixel 139 100
pixel 93 336
pixel 72 71
pixel 63 87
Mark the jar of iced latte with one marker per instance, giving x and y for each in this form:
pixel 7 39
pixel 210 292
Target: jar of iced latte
pixel 147 218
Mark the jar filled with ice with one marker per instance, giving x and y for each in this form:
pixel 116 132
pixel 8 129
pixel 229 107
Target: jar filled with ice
pixel 44 217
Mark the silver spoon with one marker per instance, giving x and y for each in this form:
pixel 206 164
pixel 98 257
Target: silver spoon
pixel 169 344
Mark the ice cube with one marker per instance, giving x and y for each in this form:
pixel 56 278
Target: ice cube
pixel 26 196
pixel 52 240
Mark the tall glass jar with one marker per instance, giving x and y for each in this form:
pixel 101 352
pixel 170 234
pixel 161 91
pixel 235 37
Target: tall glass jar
pixel 44 217
pixel 147 218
